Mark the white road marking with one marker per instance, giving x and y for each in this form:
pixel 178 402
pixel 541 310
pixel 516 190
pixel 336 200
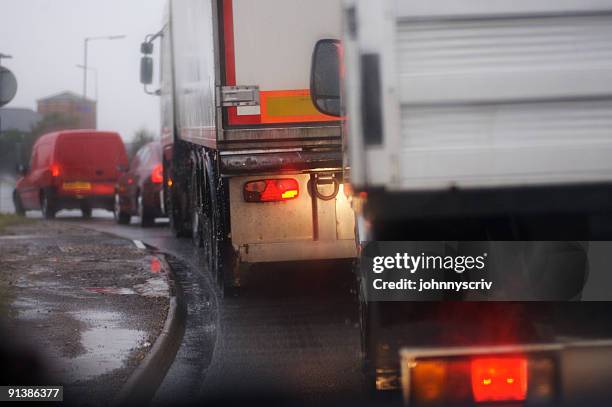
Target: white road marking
pixel 139 244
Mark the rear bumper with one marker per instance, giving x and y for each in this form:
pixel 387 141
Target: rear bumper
pixel 304 228
pixel 241 164
pixel 571 199
pixel 298 251
pixel 78 201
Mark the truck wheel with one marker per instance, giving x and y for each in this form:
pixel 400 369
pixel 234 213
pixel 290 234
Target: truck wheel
pixel 366 363
pixel 146 219
pixel 19 210
pixel 210 243
pixel 220 264
pixel 121 217
pixel 178 199
pixel 47 206
pixel 197 212
pixel 175 215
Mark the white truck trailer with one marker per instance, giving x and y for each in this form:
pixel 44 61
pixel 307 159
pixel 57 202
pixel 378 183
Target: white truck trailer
pixel 252 170
pixel 471 120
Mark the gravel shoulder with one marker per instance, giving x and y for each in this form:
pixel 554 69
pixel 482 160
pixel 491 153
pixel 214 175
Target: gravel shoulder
pixel 90 304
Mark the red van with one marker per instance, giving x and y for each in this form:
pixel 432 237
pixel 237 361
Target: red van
pixel 74 169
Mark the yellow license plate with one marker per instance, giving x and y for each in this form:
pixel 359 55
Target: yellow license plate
pixel 77 186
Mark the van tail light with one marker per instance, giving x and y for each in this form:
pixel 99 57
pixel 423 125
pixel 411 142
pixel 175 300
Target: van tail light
pixel 271 190
pixel 157 175
pixel 480 380
pixel 55 170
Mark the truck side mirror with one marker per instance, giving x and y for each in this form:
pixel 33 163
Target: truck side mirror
pixel 146 70
pixel 146 48
pixel 325 77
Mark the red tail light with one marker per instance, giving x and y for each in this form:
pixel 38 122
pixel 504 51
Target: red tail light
pixel 486 379
pixel 55 170
pixel 499 379
pixel 157 175
pixel 271 190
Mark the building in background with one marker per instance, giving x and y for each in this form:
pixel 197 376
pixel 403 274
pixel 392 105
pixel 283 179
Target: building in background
pixel 70 105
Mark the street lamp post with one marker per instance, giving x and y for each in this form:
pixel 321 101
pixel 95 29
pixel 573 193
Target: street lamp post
pixel 85 46
pixel 95 71
pixel 2 56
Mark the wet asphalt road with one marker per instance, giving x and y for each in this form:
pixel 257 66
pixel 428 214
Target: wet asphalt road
pixel 292 333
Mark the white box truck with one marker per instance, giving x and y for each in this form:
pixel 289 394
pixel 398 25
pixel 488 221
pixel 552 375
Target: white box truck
pixel 252 171
pixel 471 121
pixel 464 109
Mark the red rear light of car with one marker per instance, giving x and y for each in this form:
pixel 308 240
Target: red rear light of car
pixel 499 379
pixel 55 170
pixel 157 175
pixel 481 380
pixel 271 190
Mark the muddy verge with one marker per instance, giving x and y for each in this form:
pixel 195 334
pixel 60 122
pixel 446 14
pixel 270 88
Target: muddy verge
pixel 89 304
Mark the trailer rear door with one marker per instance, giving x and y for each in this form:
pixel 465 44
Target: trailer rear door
pixel 269 44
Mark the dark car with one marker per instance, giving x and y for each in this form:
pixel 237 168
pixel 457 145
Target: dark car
pixel 75 169
pixel 139 189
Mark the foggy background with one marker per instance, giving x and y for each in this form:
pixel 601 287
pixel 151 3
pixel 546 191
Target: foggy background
pixel 45 38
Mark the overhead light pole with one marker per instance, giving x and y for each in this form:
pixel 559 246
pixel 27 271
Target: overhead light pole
pixel 85 46
pixel 95 71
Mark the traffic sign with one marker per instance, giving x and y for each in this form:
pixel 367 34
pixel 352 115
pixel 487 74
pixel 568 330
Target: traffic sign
pixel 8 86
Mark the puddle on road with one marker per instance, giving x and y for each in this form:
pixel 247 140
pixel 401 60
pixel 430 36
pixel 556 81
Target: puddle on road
pixel 107 346
pixel 153 287
pixel 29 309
pixel 111 290
pixel 156 286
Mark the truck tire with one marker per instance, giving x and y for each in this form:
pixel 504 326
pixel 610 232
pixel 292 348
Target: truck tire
pixel 217 246
pixel 178 209
pixel 197 209
pixel 47 205
pixel 368 370
pixel 19 209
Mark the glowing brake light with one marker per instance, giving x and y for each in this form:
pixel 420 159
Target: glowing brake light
pixel 468 379
pixel 157 175
pixel 271 190
pixel 55 170
pixel 499 379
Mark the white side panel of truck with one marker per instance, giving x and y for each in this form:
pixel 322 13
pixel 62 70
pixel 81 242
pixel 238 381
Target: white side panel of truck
pixel 194 68
pixel 494 93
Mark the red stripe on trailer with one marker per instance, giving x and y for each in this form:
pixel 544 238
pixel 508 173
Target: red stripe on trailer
pixel 230 64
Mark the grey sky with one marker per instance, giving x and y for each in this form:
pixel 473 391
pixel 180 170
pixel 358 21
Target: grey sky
pixel 45 38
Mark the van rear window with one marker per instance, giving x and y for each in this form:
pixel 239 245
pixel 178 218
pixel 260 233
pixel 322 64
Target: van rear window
pixel 90 151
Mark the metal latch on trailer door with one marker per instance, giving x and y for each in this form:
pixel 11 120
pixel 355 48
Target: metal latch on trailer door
pixel 239 96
